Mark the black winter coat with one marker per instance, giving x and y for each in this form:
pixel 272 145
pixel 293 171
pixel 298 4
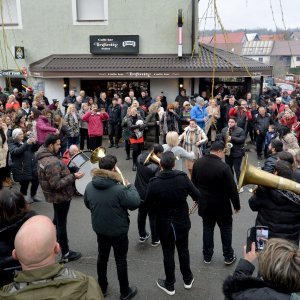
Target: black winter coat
pixel 279 210
pixel 237 140
pixel 217 187
pixel 262 124
pixel 167 194
pixel 241 286
pixel 269 165
pixel 24 164
pixel 7 238
pixel 152 132
pixel 114 114
pixel 144 173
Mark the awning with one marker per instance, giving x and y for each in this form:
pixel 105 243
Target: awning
pixel 203 64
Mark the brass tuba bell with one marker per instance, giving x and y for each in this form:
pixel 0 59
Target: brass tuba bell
pixel 99 153
pixel 252 175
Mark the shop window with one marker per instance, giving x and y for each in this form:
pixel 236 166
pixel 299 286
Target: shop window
pixel 90 12
pixel 298 58
pixel 260 59
pixel 11 12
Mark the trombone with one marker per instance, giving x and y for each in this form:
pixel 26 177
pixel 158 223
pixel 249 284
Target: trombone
pixel 99 153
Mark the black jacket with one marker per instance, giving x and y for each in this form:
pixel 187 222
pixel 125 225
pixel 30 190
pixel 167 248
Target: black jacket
pixel 166 195
pixel 108 201
pixel 114 114
pixel 152 132
pixel 241 286
pixel 237 140
pixel 68 100
pixel 217 187
pixel 144 173
pixel 269 165
pixel 262 123
pixel 279 210
pixel 24 164
pixel 7 238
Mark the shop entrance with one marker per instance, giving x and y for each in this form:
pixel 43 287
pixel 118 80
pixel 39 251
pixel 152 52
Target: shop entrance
pixel 93 88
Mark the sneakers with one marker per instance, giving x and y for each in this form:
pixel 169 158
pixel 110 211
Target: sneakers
pixel 145 238
pixel 117 146
pixel 229 261
pixel 189 284
pixel 162 285
pixel 155 244
pixel 131 293
pixel 28 199
pixel 207 260
pixel 70 256
pixel 35 198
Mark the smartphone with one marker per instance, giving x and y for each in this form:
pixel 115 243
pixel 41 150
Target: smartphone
pixel 259 235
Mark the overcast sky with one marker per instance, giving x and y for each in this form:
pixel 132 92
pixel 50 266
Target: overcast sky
pixel 250 14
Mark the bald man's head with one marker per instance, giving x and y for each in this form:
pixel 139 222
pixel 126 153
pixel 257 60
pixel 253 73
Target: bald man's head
pixel 35 243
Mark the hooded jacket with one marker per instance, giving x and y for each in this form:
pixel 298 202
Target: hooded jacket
pixel 54 176
pixel 279 210
pixel 241 286
pixel 7 238
pixel 108 201
pixel 167 194
pixel 52 282
pixel 95 122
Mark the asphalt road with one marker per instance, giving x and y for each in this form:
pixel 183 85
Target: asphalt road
pixel 145 263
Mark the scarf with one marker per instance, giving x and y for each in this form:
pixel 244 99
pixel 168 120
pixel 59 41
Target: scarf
pixel 75 117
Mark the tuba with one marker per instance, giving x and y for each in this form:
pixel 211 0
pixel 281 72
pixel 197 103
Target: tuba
pixel 228 145
pixel 252 175
pixel 99 153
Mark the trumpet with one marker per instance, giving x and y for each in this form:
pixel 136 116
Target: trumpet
pixel 99 153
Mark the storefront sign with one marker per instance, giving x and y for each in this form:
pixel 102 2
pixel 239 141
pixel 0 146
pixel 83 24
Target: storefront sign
pixel 12 74
pixel 19 52
pixel 114 44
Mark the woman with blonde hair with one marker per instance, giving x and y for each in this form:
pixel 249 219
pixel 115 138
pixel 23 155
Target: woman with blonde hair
pixel 192 139
pixel 279 268
pixel 72 119
pixel 172 139
pixel 140 111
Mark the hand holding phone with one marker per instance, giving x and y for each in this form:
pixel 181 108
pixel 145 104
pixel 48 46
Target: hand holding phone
pixel 258 235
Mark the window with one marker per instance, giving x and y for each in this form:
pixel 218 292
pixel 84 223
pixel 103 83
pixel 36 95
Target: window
pixel 11 12
pixel 260 59
pixel 297 58
pixel 90 12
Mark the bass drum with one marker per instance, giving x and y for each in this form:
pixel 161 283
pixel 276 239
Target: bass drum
pixel 81 183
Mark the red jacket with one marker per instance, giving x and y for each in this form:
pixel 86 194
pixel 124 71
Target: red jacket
pixel 288 122
pixel 95 122
pixel 14 106
pixel 281 107
pixel 236 112
pixel 66 157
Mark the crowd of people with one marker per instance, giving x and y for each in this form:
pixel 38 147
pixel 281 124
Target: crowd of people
pixel 183 148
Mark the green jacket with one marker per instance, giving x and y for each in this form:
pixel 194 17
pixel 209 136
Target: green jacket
pixel 108 201
pixel 53 282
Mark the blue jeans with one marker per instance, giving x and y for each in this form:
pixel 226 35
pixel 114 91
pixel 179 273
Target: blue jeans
pixel 225 225
pixel 60 220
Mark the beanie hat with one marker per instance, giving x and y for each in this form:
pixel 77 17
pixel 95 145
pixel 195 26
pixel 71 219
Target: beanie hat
pixel 16 132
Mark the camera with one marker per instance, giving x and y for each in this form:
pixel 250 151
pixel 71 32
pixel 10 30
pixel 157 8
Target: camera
pixel 259 235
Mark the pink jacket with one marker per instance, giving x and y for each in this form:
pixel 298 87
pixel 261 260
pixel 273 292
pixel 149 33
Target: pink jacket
pixel 95 122
pixel 43 128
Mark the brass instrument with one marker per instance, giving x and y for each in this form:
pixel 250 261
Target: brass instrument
pixel 152 157
pixel 252 175
pixel 228 145
pixel 99 153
